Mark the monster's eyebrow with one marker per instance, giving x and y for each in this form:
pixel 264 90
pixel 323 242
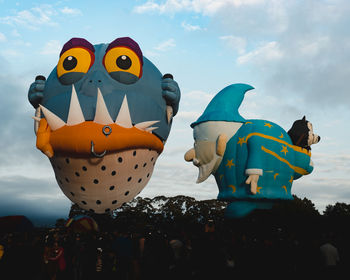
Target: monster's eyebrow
pixel 77 42
pixel 129 43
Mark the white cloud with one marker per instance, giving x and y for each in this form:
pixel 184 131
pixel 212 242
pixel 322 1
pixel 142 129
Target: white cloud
pixel 51 47
pixel 311 47
pixel 71 11
pixel 188 116
pixel 207 7
pixel 166 45
pixel 15 33
pixel 2 37
pixel 11 53
pixel 31 18
pixel 264 54
pixel 236 43
pixel 190 27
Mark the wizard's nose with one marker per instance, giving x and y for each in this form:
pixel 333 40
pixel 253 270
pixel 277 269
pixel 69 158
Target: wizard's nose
pixel 190 155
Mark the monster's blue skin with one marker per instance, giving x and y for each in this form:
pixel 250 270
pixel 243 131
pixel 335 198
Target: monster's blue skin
pixel 147 98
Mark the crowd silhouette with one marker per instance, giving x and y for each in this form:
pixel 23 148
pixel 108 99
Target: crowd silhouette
pixel 211 250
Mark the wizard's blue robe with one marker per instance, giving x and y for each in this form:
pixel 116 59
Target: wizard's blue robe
pixel 264 148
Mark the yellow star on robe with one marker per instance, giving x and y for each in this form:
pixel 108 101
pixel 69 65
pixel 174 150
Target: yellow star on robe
pixel 230 163
pixel 284 150
pixel 268 125
pixel 258 189
pixel 241 141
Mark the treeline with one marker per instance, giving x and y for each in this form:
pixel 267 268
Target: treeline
pixel 298 214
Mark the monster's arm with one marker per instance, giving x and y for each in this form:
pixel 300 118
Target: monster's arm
pixel 35 92
pixel 171 94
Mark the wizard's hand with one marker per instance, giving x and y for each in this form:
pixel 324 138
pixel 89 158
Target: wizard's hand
pixel 253 181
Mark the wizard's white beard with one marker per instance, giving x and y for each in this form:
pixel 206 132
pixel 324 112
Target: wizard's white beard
pixel 206 159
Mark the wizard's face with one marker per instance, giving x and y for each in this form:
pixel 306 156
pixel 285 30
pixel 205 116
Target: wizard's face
pixel 205 154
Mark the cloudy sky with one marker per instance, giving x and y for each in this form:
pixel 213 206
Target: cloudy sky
pixel 295 53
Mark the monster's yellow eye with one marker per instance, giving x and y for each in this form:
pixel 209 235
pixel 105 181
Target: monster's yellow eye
pixel 123 64
pixel 73 64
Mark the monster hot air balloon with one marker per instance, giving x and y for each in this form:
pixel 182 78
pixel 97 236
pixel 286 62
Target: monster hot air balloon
pixel 102 118
pixel 254 161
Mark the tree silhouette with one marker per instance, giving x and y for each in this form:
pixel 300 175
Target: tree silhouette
pixel 337 210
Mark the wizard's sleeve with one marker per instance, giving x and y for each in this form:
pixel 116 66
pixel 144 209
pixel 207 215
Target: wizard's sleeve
pixel 303 162
pixel 255 160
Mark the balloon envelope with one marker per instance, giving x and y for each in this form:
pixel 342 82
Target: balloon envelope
pixel 15 224
pixel 82 223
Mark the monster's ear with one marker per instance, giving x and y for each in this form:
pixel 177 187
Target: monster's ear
pixel 303 119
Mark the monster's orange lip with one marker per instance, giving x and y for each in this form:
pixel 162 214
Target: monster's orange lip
pixel 88 137
pixel 97 137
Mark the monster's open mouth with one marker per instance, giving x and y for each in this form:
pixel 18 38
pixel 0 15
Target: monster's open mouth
pixel 94 138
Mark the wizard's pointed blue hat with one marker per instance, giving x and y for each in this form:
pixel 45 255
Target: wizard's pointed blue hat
pixel 224 106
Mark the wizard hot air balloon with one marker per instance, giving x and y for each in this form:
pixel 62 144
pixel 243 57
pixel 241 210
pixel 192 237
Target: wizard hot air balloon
pixel 102 118
pixel 254 162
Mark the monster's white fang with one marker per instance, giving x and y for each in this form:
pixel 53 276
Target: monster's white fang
pixel 123 118
pixel 102 115
pixel 149 129
pixel 37 119
pixel 53 121
pixel 75 115
pixel 144 125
